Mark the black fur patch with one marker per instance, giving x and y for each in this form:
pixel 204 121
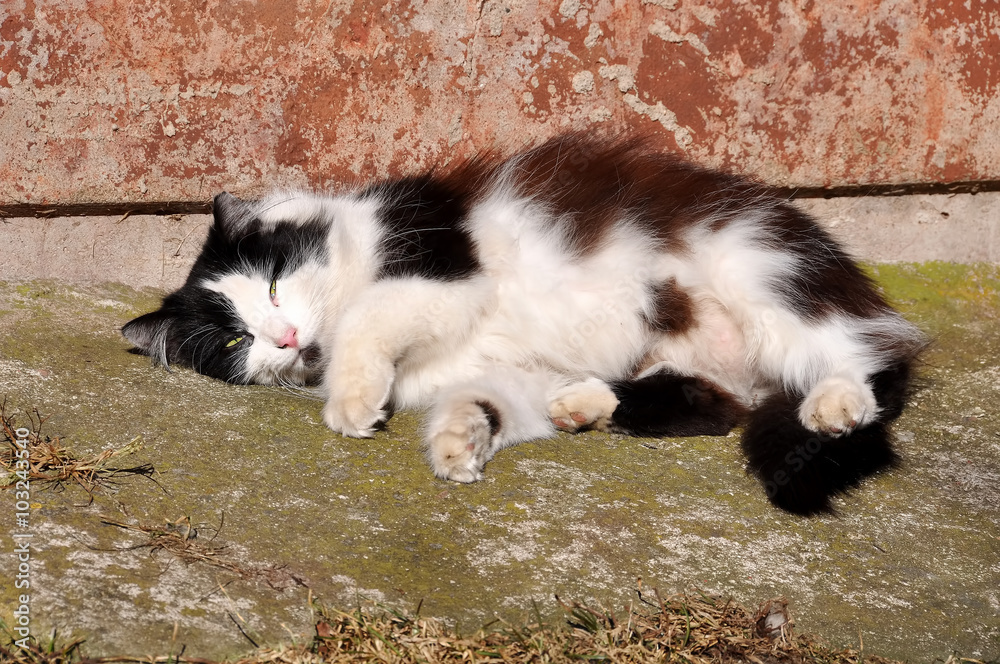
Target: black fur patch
pixel 828 280
pixel 492 416
pixel 247 245
pixel 425 236
pixel 193 329
pixel 594 182
pixel 667 404
pixel 673 310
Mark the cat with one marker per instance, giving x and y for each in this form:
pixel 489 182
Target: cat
pixel 583 283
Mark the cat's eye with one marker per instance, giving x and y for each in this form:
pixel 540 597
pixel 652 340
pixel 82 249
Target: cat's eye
pixel 234 342
pixel 273 292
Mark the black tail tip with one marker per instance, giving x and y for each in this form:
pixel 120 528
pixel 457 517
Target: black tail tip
pixel 801 470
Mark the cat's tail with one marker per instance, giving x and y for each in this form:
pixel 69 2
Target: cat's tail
pixel 665 404
pixel 801 470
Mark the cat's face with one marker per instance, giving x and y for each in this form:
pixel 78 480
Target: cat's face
pixel 251 309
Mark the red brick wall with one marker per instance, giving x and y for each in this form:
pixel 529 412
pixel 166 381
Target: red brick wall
pixel 172 100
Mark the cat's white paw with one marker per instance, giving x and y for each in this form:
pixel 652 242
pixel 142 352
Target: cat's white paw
pixel 838 405
pixel 356 400
pixel 352 417
pixel 459 444
pixel 587 404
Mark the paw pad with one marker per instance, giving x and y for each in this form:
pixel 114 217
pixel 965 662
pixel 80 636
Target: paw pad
pixel 587 404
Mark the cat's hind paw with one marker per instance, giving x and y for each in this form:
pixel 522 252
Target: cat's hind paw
pixel 588 404
pixel 837 406
pixel 460 443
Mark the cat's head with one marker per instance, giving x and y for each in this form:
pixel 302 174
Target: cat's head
pixel 251 309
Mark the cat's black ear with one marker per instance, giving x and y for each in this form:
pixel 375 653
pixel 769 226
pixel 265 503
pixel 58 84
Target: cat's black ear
pixel 148 333
pixel 231 213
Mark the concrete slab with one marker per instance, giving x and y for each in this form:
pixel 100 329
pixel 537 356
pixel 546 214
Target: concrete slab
pixel 963 228
pixel 911 565
pixel 146 251
pixel 157 251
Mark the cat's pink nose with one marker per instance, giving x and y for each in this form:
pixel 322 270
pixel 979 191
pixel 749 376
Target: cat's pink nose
pixel 290 339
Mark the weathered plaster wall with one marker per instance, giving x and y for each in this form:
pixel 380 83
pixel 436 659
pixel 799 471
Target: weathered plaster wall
pixel 119 101
pixel 157 251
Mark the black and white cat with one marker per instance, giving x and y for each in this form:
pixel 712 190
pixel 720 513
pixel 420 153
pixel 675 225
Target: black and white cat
pixel 584 283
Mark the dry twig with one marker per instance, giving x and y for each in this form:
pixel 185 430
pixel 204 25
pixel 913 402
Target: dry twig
pixel 52 464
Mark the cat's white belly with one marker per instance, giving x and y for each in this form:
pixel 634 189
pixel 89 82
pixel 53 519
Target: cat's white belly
pixel 577 347
pixel 569 332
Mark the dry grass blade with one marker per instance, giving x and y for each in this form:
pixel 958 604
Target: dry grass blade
pixel 50 463
pixel 180 539
pixel 36 653
pixel 675 629
pixel 70 653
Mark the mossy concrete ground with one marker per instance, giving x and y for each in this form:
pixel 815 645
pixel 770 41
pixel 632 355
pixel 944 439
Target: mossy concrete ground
pixel 911 564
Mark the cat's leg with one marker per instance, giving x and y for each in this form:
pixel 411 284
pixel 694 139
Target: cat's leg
pixel 460 436
pixel 390 320
pixel 468 423
pixel 831 364
pixel 661 402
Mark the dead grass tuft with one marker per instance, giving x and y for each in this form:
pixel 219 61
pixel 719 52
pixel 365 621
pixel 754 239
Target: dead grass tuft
pixel 180 539
pixel 51 464
pixel 677 629
pixel 681 628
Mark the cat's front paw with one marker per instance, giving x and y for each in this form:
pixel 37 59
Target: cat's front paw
pixel 353 417
pixel 459 444
pixel 356 400
pixel 588 404
pixel 837 406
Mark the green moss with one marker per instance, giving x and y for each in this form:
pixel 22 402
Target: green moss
pixel 936 284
